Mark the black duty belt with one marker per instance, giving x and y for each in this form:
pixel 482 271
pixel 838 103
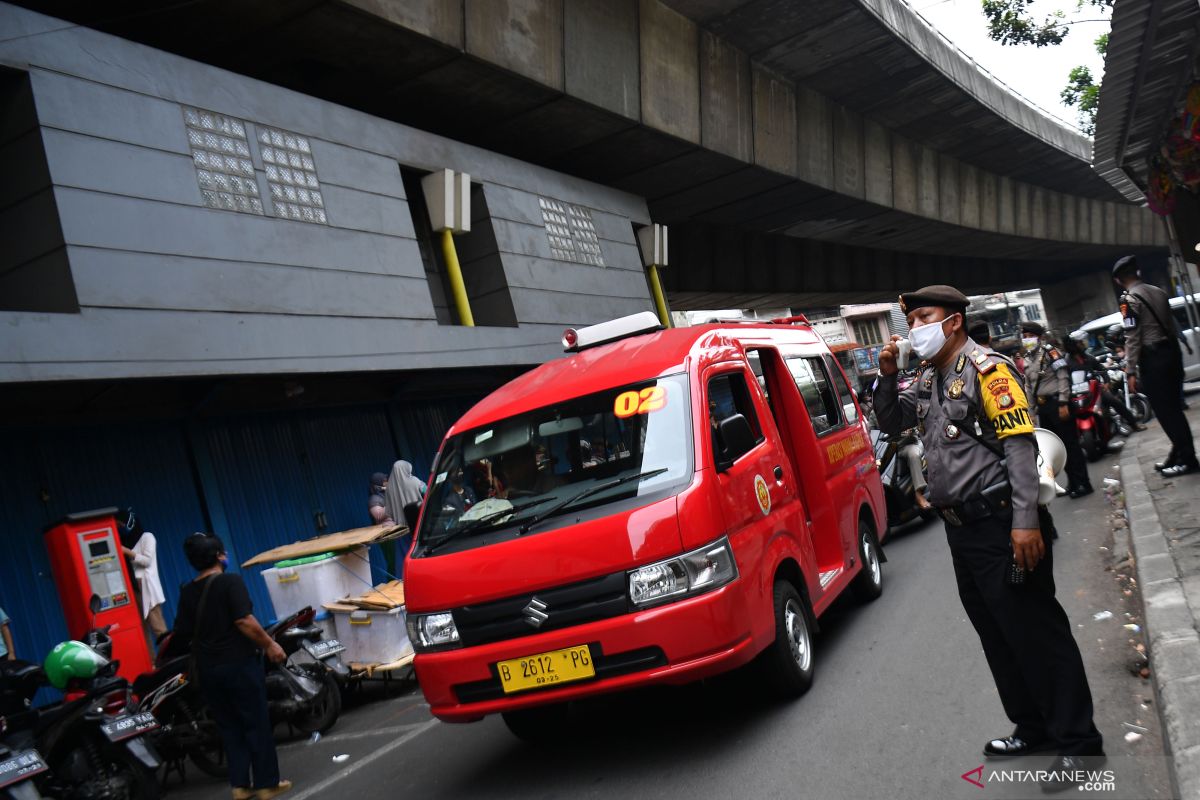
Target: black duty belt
pixel 995 501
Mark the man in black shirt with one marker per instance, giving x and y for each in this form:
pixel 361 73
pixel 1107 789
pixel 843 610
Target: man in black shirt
pixel 216 621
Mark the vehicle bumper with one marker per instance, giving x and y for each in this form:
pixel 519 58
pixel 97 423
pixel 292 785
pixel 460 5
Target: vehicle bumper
pixel 695 638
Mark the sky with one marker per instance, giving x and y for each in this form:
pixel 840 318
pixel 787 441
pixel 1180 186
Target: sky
pixel 1038 73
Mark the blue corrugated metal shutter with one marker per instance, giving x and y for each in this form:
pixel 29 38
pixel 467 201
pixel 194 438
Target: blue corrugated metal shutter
pixel 51 472
pixel 425 424
pixel 265 489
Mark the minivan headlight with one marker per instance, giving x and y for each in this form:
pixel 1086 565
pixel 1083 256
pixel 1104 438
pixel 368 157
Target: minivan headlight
pixel 692 573
pixel 433 631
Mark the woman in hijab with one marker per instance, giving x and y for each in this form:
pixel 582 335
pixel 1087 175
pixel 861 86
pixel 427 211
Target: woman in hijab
pixel 403 492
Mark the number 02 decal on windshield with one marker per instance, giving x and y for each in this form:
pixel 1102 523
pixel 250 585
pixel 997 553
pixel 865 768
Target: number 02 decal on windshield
pixel 652 398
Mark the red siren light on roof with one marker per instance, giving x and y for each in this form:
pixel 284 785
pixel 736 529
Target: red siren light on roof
pixel 575 340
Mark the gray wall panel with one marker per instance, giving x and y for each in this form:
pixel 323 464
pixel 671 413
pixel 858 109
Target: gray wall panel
pixel 574 309
pixel 119 279
pixel 525 272
pixel 104 165
pixel 124 223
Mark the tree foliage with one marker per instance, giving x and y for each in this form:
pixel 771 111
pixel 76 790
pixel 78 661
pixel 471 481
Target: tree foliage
pixel 1014 22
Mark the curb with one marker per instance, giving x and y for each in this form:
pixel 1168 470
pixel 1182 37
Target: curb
pixel 1170 629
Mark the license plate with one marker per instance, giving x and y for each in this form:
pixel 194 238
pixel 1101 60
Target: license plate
pixel 546 669
pixel 128 726
pixel 23 765
pixel 324 648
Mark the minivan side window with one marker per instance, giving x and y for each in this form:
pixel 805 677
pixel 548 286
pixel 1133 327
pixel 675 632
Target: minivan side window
pixel 818 393
pixel 729 395
pixel 849 411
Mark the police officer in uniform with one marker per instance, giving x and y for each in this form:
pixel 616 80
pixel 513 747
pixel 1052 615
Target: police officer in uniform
pixel 1152 344
pixel 971 408
pixel 1048 376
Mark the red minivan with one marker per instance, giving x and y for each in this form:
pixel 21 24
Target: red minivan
pixel 658 507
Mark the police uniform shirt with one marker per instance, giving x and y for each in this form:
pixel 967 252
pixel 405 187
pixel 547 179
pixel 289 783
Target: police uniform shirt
pixel 1139 305
pixel 980 389
pixel 1048 374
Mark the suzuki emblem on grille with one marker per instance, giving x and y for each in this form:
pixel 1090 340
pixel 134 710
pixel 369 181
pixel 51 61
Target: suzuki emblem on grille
pixel 535 613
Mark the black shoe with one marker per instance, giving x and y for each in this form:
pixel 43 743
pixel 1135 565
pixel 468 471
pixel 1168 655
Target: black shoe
pixel 1137 426
pixel 1176 470
pixel 1012 746
pixel 1161 465
pixel 1069 772
pixel 1081 491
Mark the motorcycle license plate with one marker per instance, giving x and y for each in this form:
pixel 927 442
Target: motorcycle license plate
pixel 325 648
pixel 1080 388
pixel 128 726
pixel 17 768
pixel 546 669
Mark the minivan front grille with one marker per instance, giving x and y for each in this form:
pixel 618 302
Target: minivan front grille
pixel 546 610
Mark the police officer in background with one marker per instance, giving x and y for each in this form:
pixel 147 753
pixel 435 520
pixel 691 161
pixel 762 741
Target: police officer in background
pixel 971 409
pixel 1048 376
pixel 1151 343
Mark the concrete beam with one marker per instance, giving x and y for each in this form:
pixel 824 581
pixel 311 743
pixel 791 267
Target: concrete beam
pixel 849 172
pixel 877 161
pixel 601 52
pixel 525 36
pixel 814 120
pixel 726 105
pixel 670 51
pixel 774 103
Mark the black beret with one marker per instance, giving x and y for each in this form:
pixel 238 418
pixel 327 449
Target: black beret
pixel 938 295
pixel 979 330
pixel 1124 265
pixel 1032 327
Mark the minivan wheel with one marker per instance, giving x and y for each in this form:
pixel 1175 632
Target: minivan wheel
pixel 538 725
pixel 787 663
pixel 868 583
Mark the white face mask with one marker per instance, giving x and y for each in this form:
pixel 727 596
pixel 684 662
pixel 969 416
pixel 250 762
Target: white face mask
pixel 928 340
pixel 1029 342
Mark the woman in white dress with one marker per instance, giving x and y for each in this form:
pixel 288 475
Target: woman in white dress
pixel 141 549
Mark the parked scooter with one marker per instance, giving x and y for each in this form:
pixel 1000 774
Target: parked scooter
pixel 94 740
pixel 1138 403
pixel 1096 427
pixel 18 770
pixel 899 490
pixel 304 690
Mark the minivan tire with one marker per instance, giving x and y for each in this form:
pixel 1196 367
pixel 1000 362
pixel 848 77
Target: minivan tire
pixel 537 725
pixel 787 663
pixel 868 583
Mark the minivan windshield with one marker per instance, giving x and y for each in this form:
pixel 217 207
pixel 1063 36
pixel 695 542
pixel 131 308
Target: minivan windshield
pixel 628 445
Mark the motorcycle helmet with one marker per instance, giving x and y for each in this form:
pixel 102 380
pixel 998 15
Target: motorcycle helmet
pixel 69 660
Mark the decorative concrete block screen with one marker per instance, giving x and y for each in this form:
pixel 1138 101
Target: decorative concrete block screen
pixel 571 232
pixel 222 157
pixel 291 175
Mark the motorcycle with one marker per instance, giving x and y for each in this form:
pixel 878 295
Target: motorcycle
pixel 1096 427
pixel 1138 403
pixel 94 740
pixel 18 769
pixel 304 690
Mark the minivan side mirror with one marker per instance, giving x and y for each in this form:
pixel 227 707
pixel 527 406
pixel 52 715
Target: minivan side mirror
pixel 736 438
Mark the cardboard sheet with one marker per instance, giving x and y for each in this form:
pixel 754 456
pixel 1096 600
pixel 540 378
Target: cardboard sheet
pixel 330 543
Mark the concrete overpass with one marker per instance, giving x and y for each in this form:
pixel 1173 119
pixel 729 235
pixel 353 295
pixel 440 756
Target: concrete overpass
pixel 825 149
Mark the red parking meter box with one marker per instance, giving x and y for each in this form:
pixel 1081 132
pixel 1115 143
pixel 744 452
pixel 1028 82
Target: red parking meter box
pixel 86 558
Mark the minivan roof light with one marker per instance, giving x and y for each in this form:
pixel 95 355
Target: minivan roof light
pixel 576 339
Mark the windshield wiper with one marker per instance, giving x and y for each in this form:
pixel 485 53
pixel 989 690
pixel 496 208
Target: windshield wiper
pixel 588 492
pixel 476 524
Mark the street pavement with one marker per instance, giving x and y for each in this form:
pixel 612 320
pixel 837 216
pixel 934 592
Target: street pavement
pixel 901 707
pixel 1165 530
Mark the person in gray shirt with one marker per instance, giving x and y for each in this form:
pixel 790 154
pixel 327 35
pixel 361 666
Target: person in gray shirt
pixel 1154 360
pixel 971 409
pixel 1048 377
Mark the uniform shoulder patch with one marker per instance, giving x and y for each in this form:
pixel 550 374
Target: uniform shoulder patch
pixel 984 362
pixel 1004 403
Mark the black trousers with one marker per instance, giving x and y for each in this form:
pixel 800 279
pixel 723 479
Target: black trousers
pixel 1026 638
pixel 1162 369
pixel 1077 474
pixel 237 695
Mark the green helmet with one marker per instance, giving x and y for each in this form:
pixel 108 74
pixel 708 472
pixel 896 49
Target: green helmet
pixel 72 660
